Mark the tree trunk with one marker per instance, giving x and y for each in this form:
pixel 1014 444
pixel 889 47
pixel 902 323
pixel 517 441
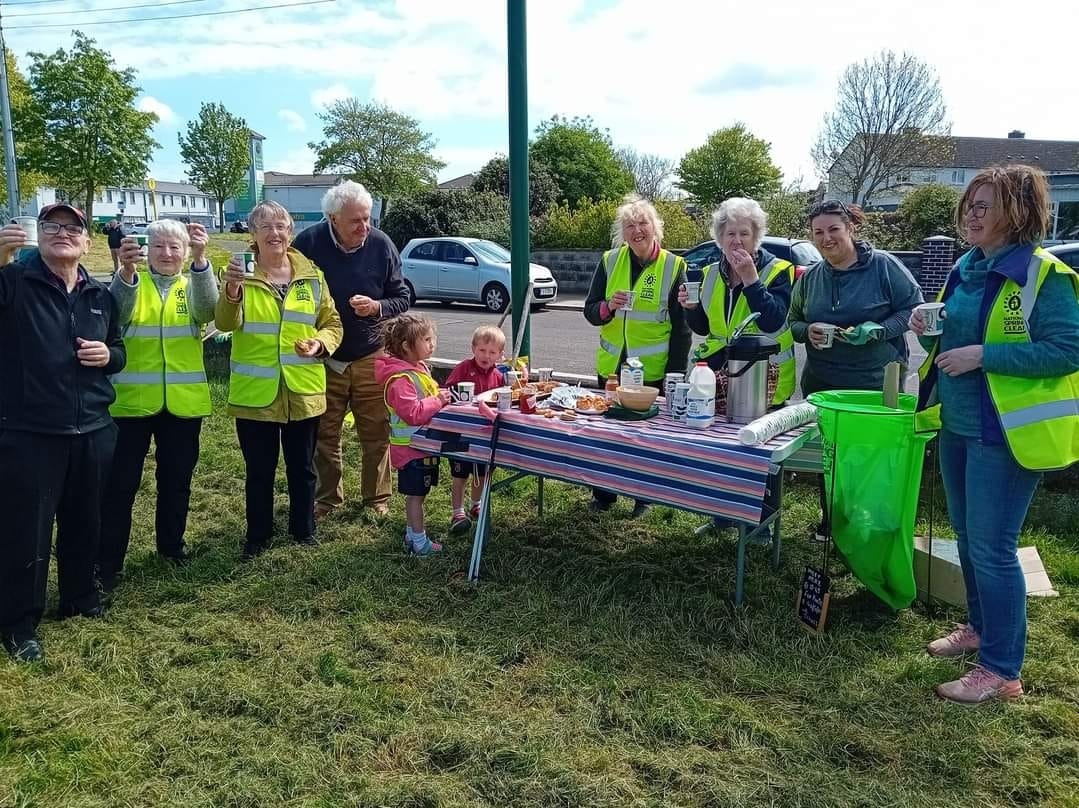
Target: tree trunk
pixel 220 214
pixel 88 209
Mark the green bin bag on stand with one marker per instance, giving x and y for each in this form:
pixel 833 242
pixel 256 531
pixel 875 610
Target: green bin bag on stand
pixel 872 476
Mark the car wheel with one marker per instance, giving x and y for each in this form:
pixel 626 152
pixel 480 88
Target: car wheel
pixel 411 294
pixel 495 298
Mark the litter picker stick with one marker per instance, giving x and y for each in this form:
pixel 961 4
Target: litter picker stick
pixel 524 322
pixel 484 519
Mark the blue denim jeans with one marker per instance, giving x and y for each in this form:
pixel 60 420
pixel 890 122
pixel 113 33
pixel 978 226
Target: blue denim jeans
pixel 988 496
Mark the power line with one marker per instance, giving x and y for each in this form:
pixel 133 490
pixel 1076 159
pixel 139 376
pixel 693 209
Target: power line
pixel 81 24
pixel 98 10
pixel 37 2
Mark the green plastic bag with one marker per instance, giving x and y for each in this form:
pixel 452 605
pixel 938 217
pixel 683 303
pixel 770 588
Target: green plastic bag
pixel 872 476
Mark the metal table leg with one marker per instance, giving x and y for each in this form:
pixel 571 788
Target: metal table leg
pixel 539 496
pixel 740 566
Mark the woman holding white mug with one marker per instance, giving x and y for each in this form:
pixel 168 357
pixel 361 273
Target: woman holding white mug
pixel 1002 385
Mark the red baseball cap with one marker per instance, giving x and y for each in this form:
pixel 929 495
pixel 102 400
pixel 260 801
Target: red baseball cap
pixel 45 211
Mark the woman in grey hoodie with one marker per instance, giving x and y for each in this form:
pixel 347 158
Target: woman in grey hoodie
pixel 866 293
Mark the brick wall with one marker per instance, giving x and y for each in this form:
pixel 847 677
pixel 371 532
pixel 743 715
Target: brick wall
pixel 938 255
pixel 572 269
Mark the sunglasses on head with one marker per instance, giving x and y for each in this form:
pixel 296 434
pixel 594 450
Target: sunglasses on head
pixel 830 206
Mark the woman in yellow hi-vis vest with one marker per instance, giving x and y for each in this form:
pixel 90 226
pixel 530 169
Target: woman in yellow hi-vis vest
pixel 1001 382
pixel 162 393
pixel 634 301
pixel 284 324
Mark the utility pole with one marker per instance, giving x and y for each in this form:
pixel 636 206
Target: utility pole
pixel 517 55
pixel 9 138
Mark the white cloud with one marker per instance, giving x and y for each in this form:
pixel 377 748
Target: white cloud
pixel 300 160
pixel 293 120
pixel 163 111
pixel 325 96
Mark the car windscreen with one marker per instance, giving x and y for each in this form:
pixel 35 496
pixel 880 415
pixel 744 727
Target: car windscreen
pixel 805 254
pixel 491 251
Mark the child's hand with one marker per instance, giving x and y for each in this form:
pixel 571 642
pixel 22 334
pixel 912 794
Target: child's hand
pixel 445 396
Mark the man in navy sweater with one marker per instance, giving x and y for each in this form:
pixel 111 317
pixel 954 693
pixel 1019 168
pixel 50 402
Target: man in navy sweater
pixel 363 272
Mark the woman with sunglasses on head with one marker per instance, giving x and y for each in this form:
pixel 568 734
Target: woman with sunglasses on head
pixel 864 297
pixel 1001 382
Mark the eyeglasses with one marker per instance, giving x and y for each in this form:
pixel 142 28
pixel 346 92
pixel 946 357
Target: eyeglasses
pixel 273 227
pixel 978 210
pixel 52 228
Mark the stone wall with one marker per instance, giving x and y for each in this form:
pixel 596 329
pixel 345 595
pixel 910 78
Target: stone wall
pixel 572 269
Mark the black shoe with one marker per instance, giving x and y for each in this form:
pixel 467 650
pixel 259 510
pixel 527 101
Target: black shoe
pixel 306 541
pixel 109 583
pixel 24 650
pixel 67 610
pixel 598 505
pixel 180 559
pixel 253 549
pixel 639 510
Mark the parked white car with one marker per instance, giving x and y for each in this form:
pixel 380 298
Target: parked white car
pixel 468 270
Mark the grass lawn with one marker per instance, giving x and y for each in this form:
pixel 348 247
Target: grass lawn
pixel 599 663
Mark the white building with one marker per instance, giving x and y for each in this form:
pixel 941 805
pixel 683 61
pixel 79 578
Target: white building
pixel 966 156
pixel 174 200
pixel 301 195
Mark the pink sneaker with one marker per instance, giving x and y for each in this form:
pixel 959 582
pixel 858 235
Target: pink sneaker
pixel 980 685
pixel 961 641
pixel 474 511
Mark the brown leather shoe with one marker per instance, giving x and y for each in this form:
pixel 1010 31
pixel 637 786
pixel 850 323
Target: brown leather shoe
pixel 381 510
pixel 322 510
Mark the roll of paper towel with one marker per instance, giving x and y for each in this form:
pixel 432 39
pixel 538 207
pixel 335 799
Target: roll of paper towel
pixel 768 426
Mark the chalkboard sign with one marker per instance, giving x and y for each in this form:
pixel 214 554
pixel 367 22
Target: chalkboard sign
pixel 812 606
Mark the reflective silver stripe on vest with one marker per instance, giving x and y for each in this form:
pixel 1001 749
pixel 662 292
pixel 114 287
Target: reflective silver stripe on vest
pixel 648 350
pixel 316 292
pixel 192 377
pixel 289 316
pixel 612 260
pixel 1030 288
pixel 162 331
pixel 258 372
pixel 260 328
pixel 292 359
pixel 781 357
pixel 645 316
pixel 1036 413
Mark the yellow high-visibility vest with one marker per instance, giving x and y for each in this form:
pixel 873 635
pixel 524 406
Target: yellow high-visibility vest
pixel 165 369
pixel 644 332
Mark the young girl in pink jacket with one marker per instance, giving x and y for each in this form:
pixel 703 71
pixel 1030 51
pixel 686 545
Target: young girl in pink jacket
pixel 413 398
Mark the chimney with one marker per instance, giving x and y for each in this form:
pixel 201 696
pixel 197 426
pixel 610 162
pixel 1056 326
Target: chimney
pixel 1016 134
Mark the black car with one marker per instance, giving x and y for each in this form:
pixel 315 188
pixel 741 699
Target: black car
pixel 238 226
pixel 799 252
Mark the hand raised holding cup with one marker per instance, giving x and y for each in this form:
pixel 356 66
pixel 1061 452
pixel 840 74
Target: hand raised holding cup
pixel 129 256
pixel 12 238
pixel 927 319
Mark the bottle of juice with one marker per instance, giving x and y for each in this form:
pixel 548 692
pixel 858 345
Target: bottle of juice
pixel 611 387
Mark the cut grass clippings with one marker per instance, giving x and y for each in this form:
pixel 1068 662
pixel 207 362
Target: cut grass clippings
pixel 600 662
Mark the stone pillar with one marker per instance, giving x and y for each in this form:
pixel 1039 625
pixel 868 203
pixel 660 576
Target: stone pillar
pixel 938 255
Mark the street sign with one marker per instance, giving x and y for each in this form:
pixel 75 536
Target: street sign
pixel 151 183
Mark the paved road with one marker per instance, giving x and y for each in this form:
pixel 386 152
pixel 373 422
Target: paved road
pixel 561 338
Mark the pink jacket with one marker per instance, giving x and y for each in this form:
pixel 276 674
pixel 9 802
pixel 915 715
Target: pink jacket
pixel 401 397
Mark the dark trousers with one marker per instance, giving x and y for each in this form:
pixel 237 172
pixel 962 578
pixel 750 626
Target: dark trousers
pixel 47 478
pixel 261 443
pixel 177 453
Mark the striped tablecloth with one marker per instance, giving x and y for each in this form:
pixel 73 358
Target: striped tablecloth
pixel 658 460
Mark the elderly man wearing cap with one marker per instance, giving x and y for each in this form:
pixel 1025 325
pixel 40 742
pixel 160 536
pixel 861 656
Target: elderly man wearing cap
pixel 61 341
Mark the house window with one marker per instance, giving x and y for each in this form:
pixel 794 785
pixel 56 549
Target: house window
pixel 959 176
pixel 902 176
pixel 97 196
pixel 131 195
pixel 192 201
pixel 108 196
pixel 183 200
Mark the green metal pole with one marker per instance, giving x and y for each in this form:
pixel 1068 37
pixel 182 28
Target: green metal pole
pixel 517 57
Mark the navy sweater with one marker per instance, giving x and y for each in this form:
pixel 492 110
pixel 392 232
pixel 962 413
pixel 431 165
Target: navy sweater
pixel 373 270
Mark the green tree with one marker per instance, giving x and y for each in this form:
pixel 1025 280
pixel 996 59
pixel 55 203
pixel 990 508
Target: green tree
pixel 542 186
pixel 430 212
pixel 84 131
pixel 21 109
pixel 373 144
pixel 929 210
pixel 216 153
pixel 582 158
pixel 787 209
pixel 731 162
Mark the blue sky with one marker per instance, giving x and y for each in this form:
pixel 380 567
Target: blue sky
pixel 659 77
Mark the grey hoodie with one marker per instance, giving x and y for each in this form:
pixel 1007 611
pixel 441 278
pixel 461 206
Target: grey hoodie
pixel 879 289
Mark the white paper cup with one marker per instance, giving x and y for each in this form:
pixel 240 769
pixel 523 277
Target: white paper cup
pixel 934 323
pixel 143 242
pixel 464 392
pixel 247 260
pixel 693 291
pixel 629 301
pixel 29 226
pixel 829 334
pixel 505 399
pixel 545 374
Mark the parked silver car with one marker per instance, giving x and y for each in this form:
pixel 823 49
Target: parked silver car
pixel 468 270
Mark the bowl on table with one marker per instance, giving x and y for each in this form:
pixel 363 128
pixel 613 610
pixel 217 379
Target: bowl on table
pixel 637 398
